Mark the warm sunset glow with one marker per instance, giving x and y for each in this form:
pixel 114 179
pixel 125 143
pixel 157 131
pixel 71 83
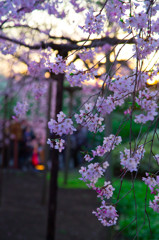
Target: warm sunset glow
pixel 152 82
pixel 40 167
pixel 94 82
pixel 47 75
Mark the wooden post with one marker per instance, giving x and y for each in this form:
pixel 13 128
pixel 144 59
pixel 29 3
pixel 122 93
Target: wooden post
pixel 4 146
pixel 15 153
pixel 108 123
pixel 68 142
pixel 49 100
pixel 108 131
pixel 52 205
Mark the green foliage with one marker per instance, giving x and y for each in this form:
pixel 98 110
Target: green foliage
pixel 117 118
pixel 7 107
pixel 127 211
pixel 147 163
pixel 125 207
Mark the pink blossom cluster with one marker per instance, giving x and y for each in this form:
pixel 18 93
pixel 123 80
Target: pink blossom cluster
pixel 15 9
pixel 139 17
pixel 128 111
pixel 93 23
pixel 106 191
pixel 35 68
pixel 92 173
pixel 137 21
pixel 131 160
pixel 145 47
pixel 59 66
pixel 156 157
pixel 85 54
pixel 121 84
pixel 76 6
pixel 140 20
pixel 7 48
pixel 39 90
pixel 21 109
pixel 88 119
pixel 62 126
pixel 155 204
pixel 88 158
pixel 6 8
pixel 105 105
pixel 155 25
pixel 107 215
pixel 121 87
pixel 147 101
pixel 116 9
pixel 54 9
pixel 77 77
pixel 109 144
pixel 153 182
pixel 57 144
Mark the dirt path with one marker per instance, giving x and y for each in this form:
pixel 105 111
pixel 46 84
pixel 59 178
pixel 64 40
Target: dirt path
pixel 23 218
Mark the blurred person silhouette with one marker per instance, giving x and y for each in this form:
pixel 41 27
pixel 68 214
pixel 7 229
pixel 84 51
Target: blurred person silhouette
pixel 35 155
pixel 26 145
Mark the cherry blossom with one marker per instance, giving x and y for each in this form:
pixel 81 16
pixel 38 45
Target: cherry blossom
pixel 85 54
pixel 62 126
pixel 109 143
pixel 92 173
pixel 49 142
pixel 153 183
pixel 21 109
pixel 155 204
pixel 58 66
pixel 129 160
pixel 93 23
pixel 76 6
pixel 107 215
pixel 147 101
pixel 88 158
pixel 156 157
pixel 77 77
pixel 39 90
pixel 140 20
pixel 59 144
pixel 106 191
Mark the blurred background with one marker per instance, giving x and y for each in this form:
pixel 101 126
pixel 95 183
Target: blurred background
pixel 27 174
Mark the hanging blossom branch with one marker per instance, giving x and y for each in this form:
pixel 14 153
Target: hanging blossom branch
pixel 122 88
pixel 139 20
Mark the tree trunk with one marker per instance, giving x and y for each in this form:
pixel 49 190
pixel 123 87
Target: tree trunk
pixel 108 131
pixel 44 187
pixel 52 206
pixel 4 145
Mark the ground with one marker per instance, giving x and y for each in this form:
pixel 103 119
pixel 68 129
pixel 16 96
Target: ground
pixel 24 218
